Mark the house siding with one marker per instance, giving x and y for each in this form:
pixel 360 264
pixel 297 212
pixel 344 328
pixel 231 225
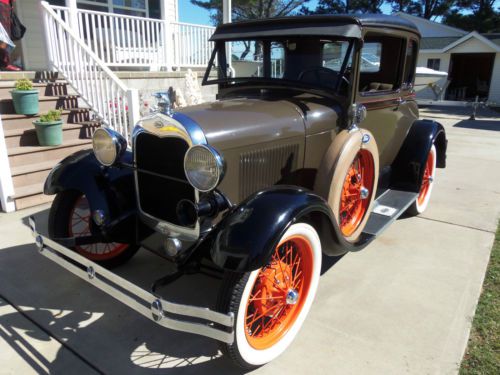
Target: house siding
pixel 33 43
pixel 444 66
pixel 494 94
pixel 471 45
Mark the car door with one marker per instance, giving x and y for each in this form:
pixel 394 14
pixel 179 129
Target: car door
pixel 381 68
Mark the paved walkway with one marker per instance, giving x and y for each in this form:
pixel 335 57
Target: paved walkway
pixel 403 305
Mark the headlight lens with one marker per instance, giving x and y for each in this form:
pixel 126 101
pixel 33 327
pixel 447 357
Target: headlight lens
pixel 108 146
pixel 204 167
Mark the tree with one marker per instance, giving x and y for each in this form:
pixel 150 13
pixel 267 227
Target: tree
pixel 425 8
pixel 484 18
pixel 251 9
pixel 345 6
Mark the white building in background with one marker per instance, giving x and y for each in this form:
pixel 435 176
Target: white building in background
pixel 472 60
pixel 33 55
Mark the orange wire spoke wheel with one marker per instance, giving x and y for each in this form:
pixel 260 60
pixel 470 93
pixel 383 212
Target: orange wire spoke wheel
pixel 79 226
pixel 427 178
pixel 279 293
pixel 356 192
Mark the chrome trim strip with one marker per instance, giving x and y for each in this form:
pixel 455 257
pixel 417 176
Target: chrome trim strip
pixel 145 303
pixel 179 126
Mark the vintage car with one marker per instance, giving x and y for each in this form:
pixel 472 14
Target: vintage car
pixel 309 150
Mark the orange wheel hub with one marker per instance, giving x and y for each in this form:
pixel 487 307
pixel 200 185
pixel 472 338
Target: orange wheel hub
pixel 79 226
pixel 279 293
pixel 427 178
pixel 356 192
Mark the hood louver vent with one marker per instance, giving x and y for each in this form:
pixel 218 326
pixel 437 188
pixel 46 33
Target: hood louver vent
pixel 262 168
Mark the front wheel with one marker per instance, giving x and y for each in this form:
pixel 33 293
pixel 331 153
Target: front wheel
pixel 70 216
pixel 270 304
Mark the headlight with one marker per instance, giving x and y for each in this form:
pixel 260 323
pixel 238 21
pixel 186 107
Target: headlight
pixel 108 146
pixel 204 167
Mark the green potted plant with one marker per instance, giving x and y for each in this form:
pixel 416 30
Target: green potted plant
pixel 25 98
pixel 49 128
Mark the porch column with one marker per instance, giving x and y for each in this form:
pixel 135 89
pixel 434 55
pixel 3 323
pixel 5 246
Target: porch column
pixel 6 185
pixel 73 15
pixel 169 50
pixel 226 18
pixel 226 11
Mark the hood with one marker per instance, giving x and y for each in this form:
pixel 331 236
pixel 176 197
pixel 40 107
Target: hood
pixel 243 122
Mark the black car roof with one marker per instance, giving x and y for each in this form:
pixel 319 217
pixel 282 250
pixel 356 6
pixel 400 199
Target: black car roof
pixel 346 25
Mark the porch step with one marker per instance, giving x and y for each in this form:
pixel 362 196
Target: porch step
pixel 30 195
pixel 44 88
pixel 27 137
pixel 69 116
pixel 32 174
pixel 46 103
pixel 25 155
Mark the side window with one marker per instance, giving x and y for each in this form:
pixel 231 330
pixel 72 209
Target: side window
pixel 277 60
pixel 434 64
pixel 371 55
pixel 410 61
pixel 381 64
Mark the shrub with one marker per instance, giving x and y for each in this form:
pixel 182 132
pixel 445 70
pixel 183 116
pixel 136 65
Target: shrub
pixel 51 116
pixel 24 84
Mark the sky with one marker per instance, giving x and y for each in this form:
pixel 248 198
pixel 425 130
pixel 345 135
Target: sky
pixel 193 14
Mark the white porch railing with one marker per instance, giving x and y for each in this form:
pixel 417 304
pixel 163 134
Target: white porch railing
pixel 191 45
pixel 128 41
pixel 115 104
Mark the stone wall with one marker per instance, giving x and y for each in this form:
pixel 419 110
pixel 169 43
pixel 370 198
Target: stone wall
pixel 150 82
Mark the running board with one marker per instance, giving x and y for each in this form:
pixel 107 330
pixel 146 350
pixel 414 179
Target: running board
pixel 387 208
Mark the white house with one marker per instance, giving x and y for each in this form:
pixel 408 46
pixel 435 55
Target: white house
pixel 472 60
pixel 33 51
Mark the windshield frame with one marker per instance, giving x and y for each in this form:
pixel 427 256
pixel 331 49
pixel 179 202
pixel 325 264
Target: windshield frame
pixel 224 81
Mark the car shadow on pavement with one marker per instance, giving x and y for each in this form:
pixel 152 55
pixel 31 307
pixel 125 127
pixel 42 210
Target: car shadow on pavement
pixel 103 332
pixel 479 125
pixel 109 335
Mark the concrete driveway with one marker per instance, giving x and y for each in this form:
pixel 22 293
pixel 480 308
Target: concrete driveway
pixel 403 305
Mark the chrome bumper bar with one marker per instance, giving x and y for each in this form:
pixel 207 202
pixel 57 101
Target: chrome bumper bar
pixel 145 303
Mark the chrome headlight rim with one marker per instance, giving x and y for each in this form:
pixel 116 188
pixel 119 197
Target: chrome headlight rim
pixel 219 163
pixel 117 142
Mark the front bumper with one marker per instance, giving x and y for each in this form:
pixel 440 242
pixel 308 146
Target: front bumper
pixel 151 306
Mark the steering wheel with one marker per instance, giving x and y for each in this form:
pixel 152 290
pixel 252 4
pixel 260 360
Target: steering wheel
pixel 318 72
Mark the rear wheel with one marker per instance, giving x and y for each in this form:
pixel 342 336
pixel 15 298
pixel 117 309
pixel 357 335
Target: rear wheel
pixel 424 194
pixel 270 304
pixel 70 216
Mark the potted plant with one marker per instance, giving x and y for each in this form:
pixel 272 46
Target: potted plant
pixel 49 128
pixel 25 98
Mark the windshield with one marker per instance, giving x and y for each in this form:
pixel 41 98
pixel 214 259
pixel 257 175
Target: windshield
pixel 315 62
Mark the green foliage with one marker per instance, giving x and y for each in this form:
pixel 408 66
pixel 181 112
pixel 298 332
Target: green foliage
pixel 24 84
pixel 251 9
pixel 483 351
pixel 345 6
pixel 483 19
pixel 51 116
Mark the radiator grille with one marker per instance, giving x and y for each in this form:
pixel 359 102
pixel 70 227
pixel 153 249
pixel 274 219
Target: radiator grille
pixel 161 180
pixel 262 168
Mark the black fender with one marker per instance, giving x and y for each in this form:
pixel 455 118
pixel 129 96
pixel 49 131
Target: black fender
pixel 110 189
pixel 408 167
pixel 246 237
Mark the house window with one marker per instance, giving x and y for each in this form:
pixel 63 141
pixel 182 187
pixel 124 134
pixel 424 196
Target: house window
pixel 433 63
pixel 137 8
